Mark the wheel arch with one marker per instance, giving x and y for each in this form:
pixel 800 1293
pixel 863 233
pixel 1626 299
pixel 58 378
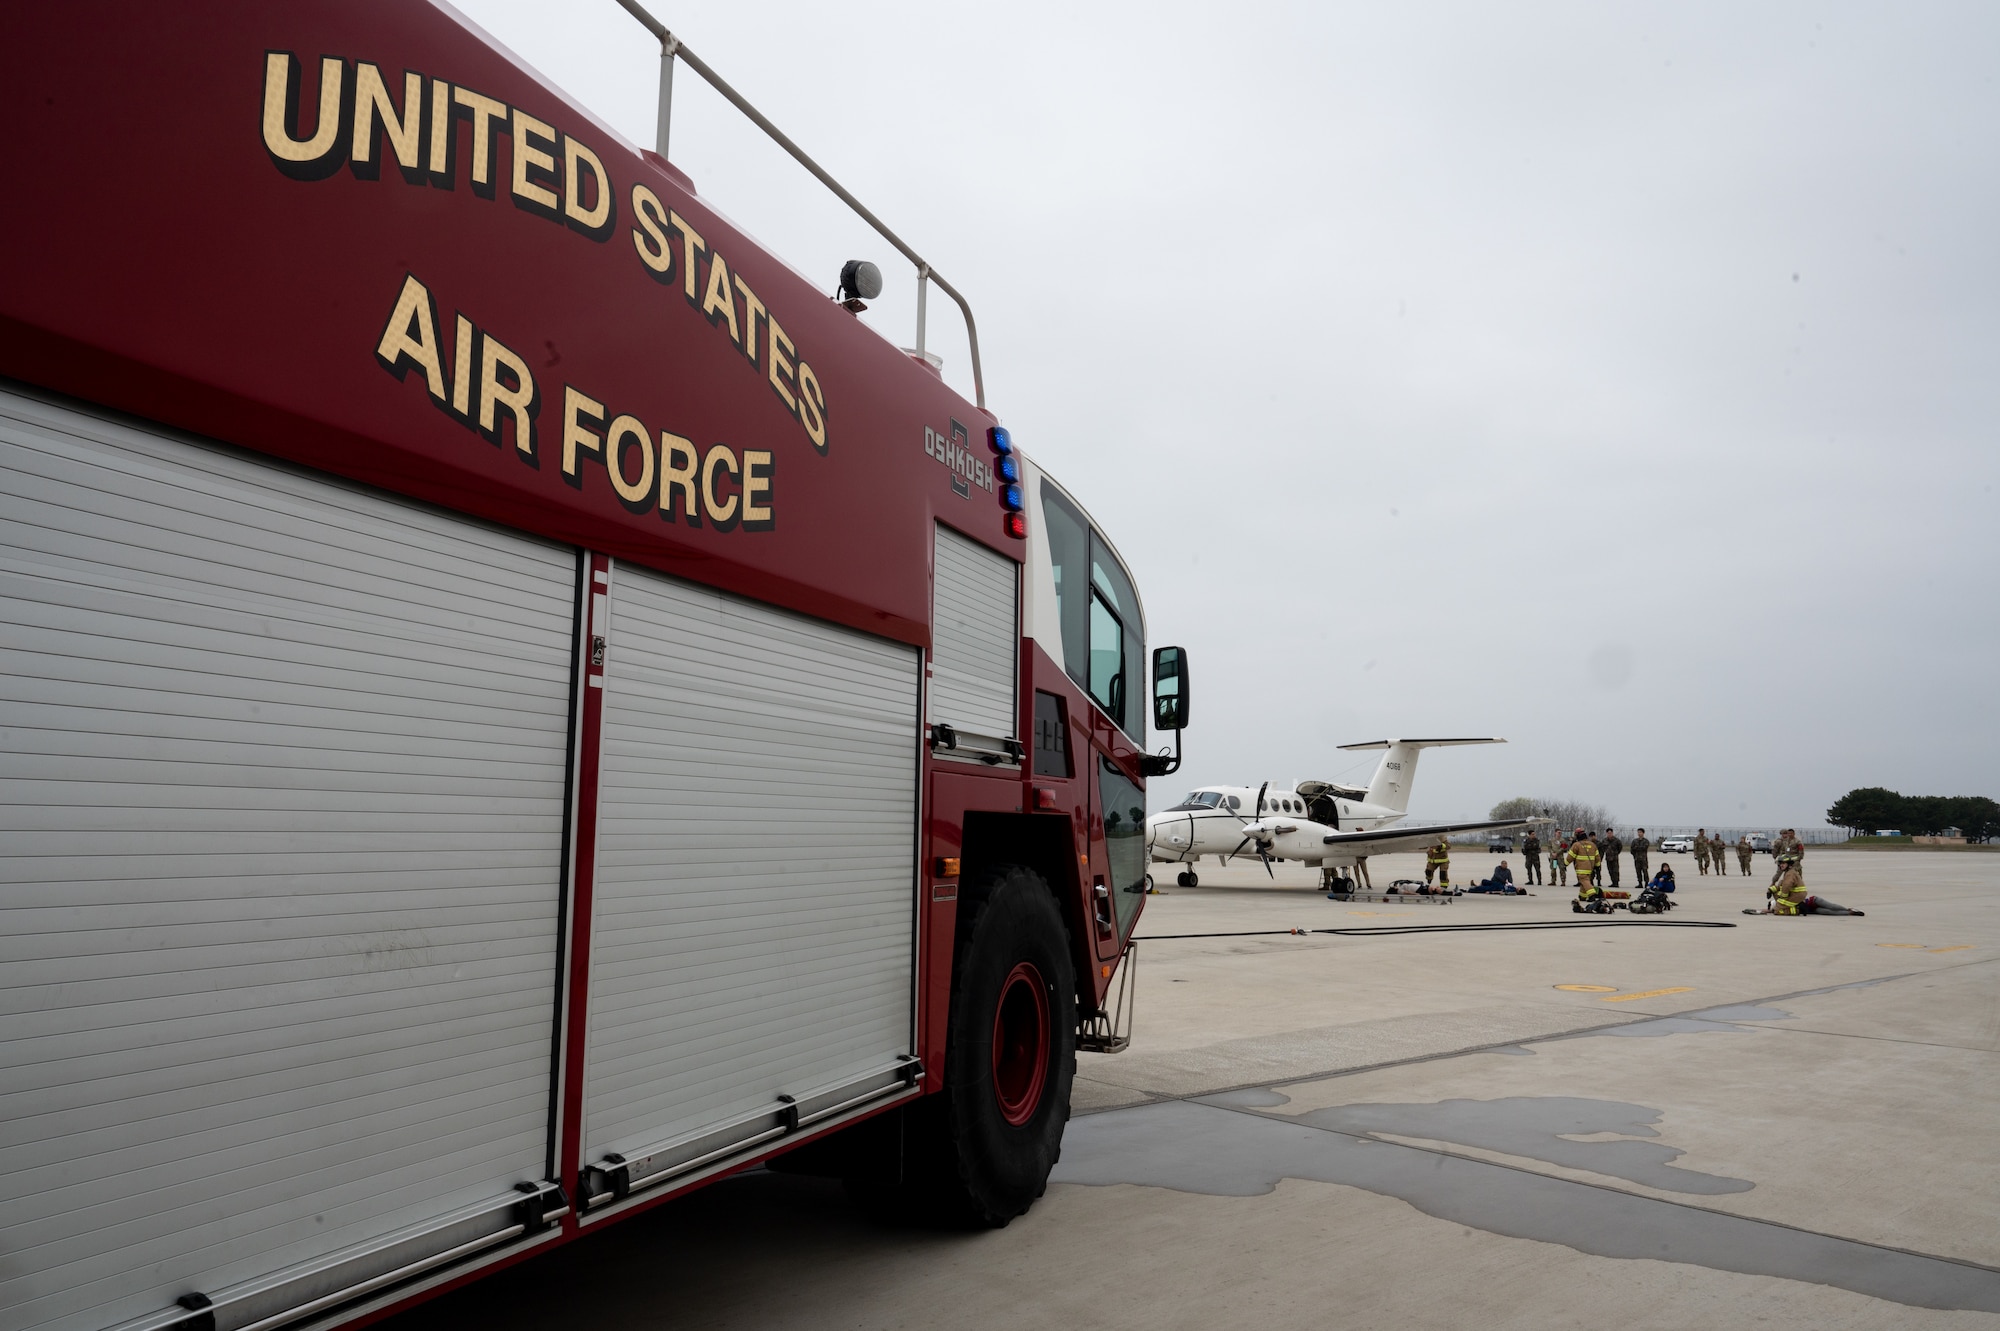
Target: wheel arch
pixel 1044 843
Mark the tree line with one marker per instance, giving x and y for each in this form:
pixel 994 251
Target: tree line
pixel 1873 809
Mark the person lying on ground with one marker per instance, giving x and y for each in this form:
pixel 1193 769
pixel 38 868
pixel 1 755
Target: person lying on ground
pixel 1804 904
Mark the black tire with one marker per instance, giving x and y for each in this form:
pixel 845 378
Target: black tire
pixel 986 1144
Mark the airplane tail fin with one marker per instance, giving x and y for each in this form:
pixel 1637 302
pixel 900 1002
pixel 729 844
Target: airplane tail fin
pixel 1390 786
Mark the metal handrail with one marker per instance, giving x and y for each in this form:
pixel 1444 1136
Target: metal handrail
pixel 671 46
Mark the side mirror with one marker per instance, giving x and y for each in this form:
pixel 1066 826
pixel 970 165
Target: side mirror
pixel 1170 689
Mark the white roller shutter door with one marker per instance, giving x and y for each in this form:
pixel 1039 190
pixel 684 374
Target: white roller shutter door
pixel 754 918
pixel 280 852
pixel 975 637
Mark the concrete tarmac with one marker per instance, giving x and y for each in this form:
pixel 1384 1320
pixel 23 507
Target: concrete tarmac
pixel 1790 1123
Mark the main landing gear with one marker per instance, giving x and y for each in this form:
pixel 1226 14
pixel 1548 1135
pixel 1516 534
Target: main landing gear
pixel 1189 878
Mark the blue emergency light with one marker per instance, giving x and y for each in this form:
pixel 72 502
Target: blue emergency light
pixel 1002 441
pixel 1011 497
pixel 1009 468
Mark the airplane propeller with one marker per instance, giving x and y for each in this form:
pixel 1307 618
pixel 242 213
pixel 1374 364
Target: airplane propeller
pixel 1262 853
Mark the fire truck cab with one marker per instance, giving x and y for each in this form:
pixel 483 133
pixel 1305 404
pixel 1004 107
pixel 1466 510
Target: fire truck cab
pixel 517 703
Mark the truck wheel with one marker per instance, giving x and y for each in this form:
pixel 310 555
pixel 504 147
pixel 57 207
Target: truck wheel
pixel 996 1130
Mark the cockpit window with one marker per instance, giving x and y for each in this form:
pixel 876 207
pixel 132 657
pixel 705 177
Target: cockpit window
pixel 1204 799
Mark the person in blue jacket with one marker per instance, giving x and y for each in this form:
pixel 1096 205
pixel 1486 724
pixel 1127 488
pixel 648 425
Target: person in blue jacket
pixel 1501 881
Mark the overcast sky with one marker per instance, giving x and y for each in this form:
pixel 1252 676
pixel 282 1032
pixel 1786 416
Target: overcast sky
pixel 1619 379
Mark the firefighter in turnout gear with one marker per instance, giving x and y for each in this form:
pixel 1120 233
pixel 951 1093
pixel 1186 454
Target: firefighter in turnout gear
pixel 1584 857
pixel 1438 861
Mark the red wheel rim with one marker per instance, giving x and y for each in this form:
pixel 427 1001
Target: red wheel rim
pixel 1021 1044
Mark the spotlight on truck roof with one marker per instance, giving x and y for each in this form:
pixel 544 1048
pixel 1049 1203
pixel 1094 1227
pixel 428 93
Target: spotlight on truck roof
pixel 860 280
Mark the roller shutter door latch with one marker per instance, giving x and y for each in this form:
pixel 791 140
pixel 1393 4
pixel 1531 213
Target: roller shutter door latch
pixel 201 1313
pixel 597 649
pixel 542 1205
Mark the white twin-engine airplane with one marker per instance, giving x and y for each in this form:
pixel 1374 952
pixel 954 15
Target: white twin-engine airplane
pixel 1319 823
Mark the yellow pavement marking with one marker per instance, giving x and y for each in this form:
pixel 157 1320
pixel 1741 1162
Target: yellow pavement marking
pixel 1647 993
pixel 1589 988
pixel 1960 947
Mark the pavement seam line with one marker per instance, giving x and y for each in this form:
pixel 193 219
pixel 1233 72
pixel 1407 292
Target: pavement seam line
pixel 1168 1097
pixel 1410 1145
pixel 1843 1035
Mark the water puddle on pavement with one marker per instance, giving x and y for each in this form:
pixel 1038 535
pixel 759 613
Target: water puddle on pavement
pixel 1537 1127
pixel 1218 1148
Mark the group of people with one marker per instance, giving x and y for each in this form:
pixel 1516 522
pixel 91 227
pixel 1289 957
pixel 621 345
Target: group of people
pixel 1587 856
pixel 1592 858
pixel 1601 853
pixel 1715 849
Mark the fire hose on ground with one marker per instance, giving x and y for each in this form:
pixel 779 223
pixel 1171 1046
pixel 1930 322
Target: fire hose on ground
pixel 1496 926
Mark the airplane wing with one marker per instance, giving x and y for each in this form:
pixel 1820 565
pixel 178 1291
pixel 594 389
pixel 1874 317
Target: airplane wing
pixel 1420 743
pixel 1391 839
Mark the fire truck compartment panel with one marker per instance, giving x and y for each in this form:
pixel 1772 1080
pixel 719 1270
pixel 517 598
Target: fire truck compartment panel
pixel 975 636
pixel 755 905
pixel 283 821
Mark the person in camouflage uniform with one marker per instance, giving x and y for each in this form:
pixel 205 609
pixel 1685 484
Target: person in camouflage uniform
pixel 1718 854
pixel 1641 849
pixel 1558 860
pixel 1611 848
pixel 1531 858
pixel 1701 850
pixel 1743 854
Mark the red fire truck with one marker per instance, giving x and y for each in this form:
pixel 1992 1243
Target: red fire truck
pixel 517 703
